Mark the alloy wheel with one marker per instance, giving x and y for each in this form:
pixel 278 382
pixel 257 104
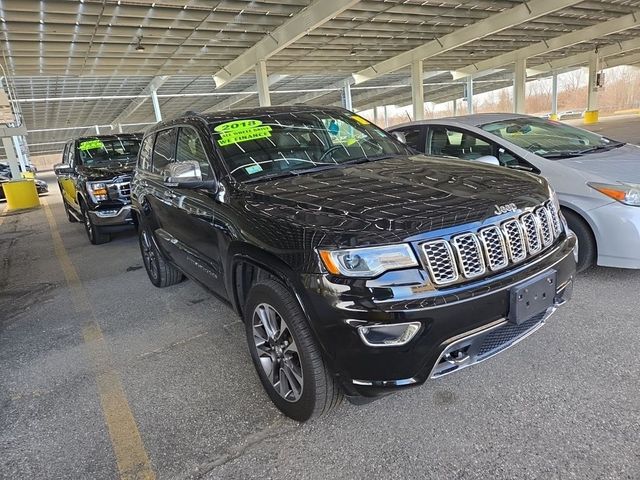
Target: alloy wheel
pixel 277 352
pixel 149 255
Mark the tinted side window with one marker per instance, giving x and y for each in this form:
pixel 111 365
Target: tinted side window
pixel 455 143
pixel 190 149
pixel 164 150
pixel 144 156
pixel 414 138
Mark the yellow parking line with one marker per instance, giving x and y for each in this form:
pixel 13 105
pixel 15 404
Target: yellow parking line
pixel 131 456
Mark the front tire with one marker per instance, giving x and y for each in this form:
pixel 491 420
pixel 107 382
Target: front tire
pixel 96 235
pixel 160 271
pixel 285 354
pixel 586 241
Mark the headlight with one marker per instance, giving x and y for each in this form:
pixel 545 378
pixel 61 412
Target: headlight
pixel 629 194
pixel 369 261
pixel 97 191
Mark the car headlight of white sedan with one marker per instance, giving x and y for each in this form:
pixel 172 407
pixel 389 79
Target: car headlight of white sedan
pixel 626 193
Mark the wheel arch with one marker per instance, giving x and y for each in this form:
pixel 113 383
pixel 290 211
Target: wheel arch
pixel 249 264
pixel 586 220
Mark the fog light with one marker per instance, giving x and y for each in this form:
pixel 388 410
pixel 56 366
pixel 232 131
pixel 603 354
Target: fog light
pixel 107 213
pixel 392 335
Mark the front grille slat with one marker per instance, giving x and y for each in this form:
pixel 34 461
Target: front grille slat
pixel 531 233
pixel 469 255
pixel 440 262
pixel 555 218
pixel 515 240
pixel 495 248
pixel 546 231
pixel 472 254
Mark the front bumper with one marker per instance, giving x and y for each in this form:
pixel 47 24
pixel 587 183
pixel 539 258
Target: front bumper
pixel 337 307
pixel 617 230
pixel 112 216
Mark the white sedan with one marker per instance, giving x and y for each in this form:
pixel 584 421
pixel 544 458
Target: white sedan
pixel 597 179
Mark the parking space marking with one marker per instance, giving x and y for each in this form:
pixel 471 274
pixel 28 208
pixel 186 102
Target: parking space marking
pixel 131 456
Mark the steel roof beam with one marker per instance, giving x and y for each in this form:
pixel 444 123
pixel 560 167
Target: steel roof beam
pixel 583 58
pixel 246 93
pixel 296 27
pixel 138 102
pixel 495 23
pixel 586 34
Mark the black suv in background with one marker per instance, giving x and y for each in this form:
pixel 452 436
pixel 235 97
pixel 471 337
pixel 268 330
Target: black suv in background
pixel 94 179
pixel 358 266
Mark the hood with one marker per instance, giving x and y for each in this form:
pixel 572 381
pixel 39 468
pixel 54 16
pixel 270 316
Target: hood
pixel 396 198
pixel 619 164
pixel 106 172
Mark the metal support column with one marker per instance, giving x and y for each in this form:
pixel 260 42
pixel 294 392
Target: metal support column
pixel 156 105
pixel 455 107
pixel 10 152
pixel 346 96
pixel 386 117
pixel 119 128
pixel 17 143
pixel 591 115
pixel 97 129
pixel 375 115
pixel 417 90
pixel 469 94
pixel 520 86
pixel 263 84
pixel 554 97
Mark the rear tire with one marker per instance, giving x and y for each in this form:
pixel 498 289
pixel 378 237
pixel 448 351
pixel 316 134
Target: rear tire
pixel 96 235
pixel 285 354
pixel 586 242
pixel 160 271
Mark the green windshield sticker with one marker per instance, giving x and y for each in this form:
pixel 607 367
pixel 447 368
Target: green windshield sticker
pixel 240 131
pixel 251 169
pixel 91 145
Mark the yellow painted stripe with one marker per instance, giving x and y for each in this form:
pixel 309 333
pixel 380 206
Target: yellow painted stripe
pixel 131 456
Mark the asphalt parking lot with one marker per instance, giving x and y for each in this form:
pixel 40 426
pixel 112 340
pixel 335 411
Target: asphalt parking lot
pixel 103 375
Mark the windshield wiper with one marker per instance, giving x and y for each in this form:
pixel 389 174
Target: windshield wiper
pixel 291 173
pixel 601 148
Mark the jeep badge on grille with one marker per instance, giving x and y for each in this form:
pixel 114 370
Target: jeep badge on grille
pixel 509 207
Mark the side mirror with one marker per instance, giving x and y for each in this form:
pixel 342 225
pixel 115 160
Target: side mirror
pixel 62 169
pixel 399 136
pixel 490 159
pixel 186 175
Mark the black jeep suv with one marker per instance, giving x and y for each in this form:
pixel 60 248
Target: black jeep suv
pixel 94 179
pixel 358 266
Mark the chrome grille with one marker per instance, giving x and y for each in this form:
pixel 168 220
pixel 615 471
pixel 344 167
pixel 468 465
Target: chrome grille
pixel 515 241
pixel 440 262
pixel 545 226
pixel 119 191
pixel 494 247
pixel 471 254
pixel 555 217
pixel 531 233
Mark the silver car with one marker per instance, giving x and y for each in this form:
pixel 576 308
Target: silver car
pixel 597 179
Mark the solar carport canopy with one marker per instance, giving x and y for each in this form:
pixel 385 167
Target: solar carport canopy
pixel 72 65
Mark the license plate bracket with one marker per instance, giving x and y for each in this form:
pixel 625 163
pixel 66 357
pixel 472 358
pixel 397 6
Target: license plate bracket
pixel 532 297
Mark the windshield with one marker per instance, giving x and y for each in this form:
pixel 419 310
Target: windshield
pixel 549 139
pixel 100 152
pixel 291 143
